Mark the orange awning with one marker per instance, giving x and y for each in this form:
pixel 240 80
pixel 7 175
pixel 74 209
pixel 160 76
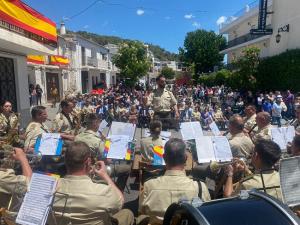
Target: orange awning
pixel 59 60
pixel 21 15
pixel 37 59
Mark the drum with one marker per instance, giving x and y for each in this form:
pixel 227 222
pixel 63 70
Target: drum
pixel 254 208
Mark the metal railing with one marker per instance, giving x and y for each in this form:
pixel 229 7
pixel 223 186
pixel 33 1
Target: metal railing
pixel 248 8
pixel 27 34
pixel 96 63
pixel 243 39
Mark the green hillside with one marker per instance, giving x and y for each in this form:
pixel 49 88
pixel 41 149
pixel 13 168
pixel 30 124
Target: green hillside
pixel 158 52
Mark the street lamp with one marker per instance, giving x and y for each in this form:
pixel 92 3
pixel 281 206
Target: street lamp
pixel 278 38
pixel 285 28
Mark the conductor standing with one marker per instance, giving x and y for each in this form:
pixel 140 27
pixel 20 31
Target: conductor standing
pixel 163 102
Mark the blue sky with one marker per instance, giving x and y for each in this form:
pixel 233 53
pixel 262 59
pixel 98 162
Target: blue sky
pixel 161 22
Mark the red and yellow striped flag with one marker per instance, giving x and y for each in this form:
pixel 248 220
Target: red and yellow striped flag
pixel 17 13
pixel 59 60
pixel 37 59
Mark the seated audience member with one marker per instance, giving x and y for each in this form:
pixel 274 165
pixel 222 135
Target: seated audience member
pixel 88 203
pixel 158 194
pixel 266 155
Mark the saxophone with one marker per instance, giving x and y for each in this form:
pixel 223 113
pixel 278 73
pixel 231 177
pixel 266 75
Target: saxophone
pixel 13 133
pixel 77 117
pixel 12 137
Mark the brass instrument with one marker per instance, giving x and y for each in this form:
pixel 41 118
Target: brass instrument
pixel 77 119
pixel 12 137
pixel 219 170
pixel 6 160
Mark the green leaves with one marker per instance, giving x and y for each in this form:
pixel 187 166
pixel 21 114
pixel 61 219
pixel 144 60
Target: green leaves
pixel 201 50
pixel 169 73
pixel 132 61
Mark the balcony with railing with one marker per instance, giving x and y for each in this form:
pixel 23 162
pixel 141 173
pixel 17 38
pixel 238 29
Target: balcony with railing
pixel 95 63
pixel 102 64
pixel 244 39
pixel 247 10
pixel 24 33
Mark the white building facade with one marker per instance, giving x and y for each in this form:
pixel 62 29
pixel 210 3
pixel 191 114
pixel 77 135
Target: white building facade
pixel 50 73
pixel 15 45
pixel 283 19
pixel 89 66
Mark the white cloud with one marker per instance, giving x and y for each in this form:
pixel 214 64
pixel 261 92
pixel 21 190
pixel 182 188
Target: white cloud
pixel 189 16
pixel 86 26
pixel 140 12
pixel 221 20
pixel 196 24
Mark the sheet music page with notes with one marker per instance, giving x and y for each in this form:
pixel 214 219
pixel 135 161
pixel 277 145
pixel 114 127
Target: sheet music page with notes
pixel 118 146
pixel 102 126
pixel 163 134
pixel 205 149
pixel 191 130
pixel 283 135
pixel 290 180
pixel 119 128
pixel 35 207
pixel 49 143
pixel 222 149
pixel 214 129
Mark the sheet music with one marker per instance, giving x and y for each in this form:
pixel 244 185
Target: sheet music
pixel 290 181
pixel 214 128
pixel 102 126
pixel 213 149
pixel 118 146
pixel 283 135
pixel 49 143
pixel 222 149
pixel 119 128
pixel 205 149
pixel 35 207
pixel 191 130
pixel 290 134
pixel 165 135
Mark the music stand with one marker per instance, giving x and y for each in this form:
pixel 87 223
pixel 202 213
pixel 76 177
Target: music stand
pixel 51 206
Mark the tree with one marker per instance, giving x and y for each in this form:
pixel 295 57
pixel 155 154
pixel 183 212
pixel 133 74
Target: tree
pixel 201 51
pixel 248 68
pixel 132 61
pixel 169 73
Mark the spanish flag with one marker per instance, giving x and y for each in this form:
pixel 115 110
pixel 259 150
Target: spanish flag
pixel 59 60
pixel 19 14
pixel 36 59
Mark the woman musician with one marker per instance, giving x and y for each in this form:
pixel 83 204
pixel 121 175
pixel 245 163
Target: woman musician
pixel 8 119
pixel 148 143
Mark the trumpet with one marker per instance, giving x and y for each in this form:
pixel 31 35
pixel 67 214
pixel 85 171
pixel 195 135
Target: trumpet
pixel 215 167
